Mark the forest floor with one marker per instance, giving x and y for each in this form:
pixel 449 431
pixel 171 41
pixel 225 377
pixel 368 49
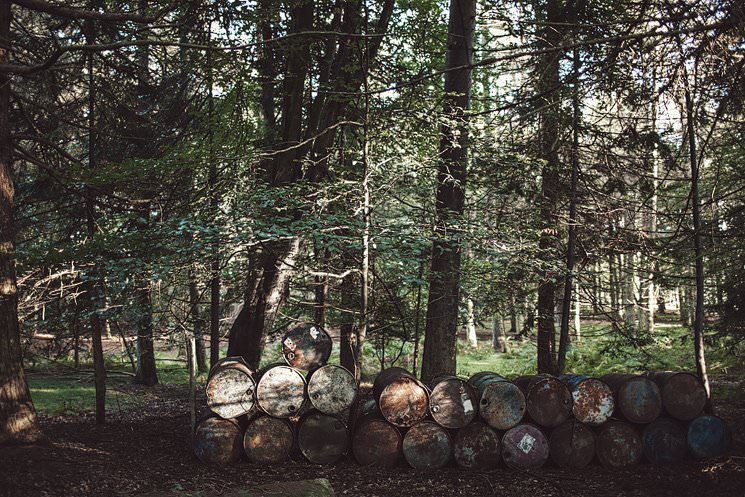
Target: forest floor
pixel 148 450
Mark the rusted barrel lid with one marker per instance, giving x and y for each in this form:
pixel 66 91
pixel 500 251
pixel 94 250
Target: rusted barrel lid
pixel 427 445
pixel 476 447
pixel 332 389
pixel 306 347
pixel 637 399
pixel 322 439
pixel 376 442
pixel 402 399
pixel 501 402
pixel 572 445
pixel 218 441
pixel 268 440
pixel 708 437
pixel 280 391
pixel 664 441
pixel 231 388
pixel 619 444
pixel 592 399
pixel 683 394
pixel 453 403
pixel 524 446
pixel 548 400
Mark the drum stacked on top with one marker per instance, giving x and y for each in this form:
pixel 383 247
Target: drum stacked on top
pixel 280 413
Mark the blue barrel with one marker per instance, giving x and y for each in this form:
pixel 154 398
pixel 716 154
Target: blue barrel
pixel 664 441
pixel 708 436
pixel 501 402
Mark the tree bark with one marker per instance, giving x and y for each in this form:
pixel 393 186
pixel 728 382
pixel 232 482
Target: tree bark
pixel 473 341
pixel 549 83
pixel 444 284
pixel 347 320
pixel 498 338
pixel 18 421
pixel 197 323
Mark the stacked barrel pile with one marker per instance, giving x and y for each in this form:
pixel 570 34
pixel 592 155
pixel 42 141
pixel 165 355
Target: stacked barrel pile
pixel 304 408
pixel 618 419
pixel 283 410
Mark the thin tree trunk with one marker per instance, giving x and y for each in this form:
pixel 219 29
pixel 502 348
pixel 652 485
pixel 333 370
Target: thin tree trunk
pixel 568 280
pixel 18 421
pixel 498 338
pixel 698 321
pixel 97 323
pixel 417 317
pixel 471 337
pixel 197 323
pixel 577 313
pixel 347 333
pixel 191 359
pixel 442 306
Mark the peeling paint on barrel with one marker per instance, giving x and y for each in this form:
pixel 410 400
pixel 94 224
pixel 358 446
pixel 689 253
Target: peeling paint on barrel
pixel 452 402
pixel 572 445
pixel 268 440
pixel 637 399
pixel 683 394
pixel 427 445
pixel 332 389
pixel 306 347
pixel 218 441
pixel 280 391
pixel 376 442
pixel 501 403
pixel 619 444
pixel 708 437
pixel 231 388
pixel 322 439
pixel 592 399
pixel 524 446
pixel 549 401
pixel 476 447
pixel 402 399
pixel 664 441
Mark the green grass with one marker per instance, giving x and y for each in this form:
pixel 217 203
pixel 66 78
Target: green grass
pixel 57 390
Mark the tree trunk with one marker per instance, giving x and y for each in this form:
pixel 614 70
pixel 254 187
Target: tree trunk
pixel 698 321
pixel 498 338
pixel 146 369
pixel 577 313
pixel 444 285
pixel 548 86
pixel 471 337
pixel 18 421
pixel 197 323
pixel 347 330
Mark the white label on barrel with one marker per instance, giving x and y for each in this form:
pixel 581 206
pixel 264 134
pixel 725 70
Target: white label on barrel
pixel 527 442
pixel 314 332
pixel 289 343
pixel 467 404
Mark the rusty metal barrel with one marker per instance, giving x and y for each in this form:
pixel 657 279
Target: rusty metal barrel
pixel 376 442
pixel 572 445
pixel 592 400
pixel 280 391
pixel 683 394
pixel 664 441
pixel 548 400
pixel 619 444
pixel 332 389
pixel 637 399
pixel 217 440
pixel 306 347
pixel 501 402
pixel 268 440
pixel 708 437
pixel 524 446
pixel 402 399
pixel 453 403
pixel 427 445
pixel 231 388
pixel 476 447
pixel 321 438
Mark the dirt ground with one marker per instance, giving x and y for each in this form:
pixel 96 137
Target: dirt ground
pixel 143 452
